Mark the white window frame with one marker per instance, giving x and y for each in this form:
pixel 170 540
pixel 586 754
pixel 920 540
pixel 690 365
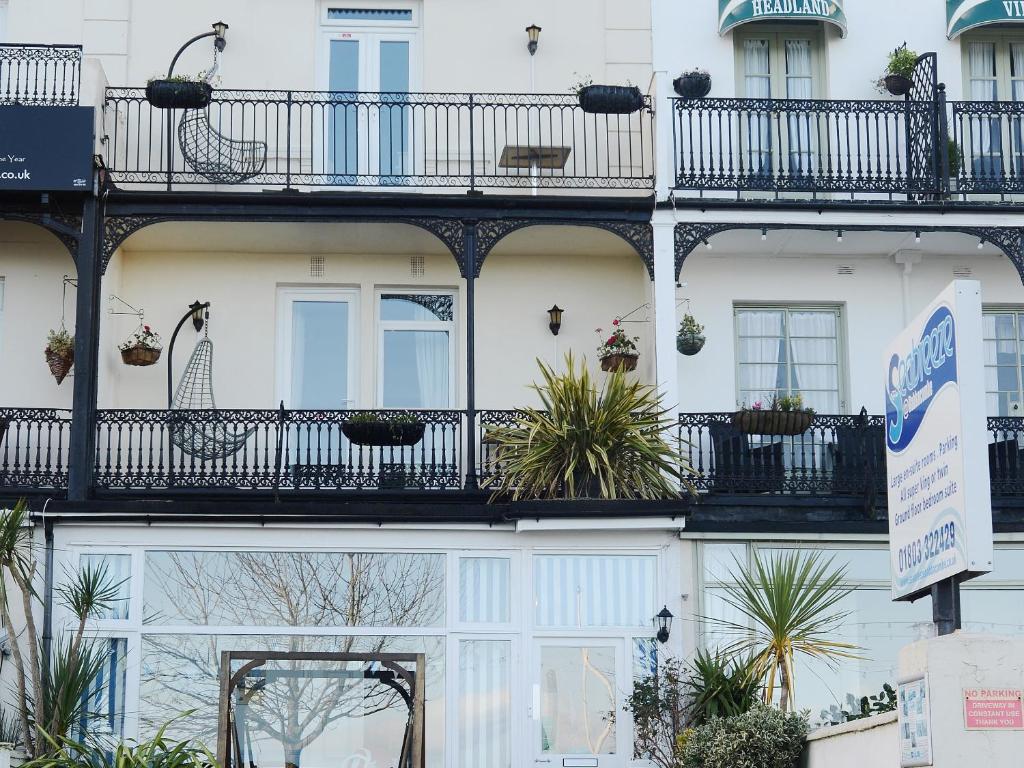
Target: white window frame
pixel 286 297
pixel 1018 312
pixel 417 325
pixel 390 5
pixel 471 628
pixel 4 21
pixel 841 358
pixel 1001 42
pixel 776 35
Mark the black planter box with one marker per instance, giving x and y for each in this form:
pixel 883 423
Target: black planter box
pixel 693 85
pixel 611 99
pixel 178 94
pixel 898 85
pixel 381 433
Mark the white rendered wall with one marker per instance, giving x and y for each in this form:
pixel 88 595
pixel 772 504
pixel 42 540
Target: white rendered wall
pixel 847 745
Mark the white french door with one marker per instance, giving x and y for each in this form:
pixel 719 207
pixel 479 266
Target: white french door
pixel 368 120
pixel 580 685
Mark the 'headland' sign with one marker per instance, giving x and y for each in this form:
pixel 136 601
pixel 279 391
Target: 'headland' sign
pixel 732 13
pixel 940 508
pixel 962 15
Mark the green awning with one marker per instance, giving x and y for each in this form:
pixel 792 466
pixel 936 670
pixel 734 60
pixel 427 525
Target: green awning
pixel 962 15
pixel 732 13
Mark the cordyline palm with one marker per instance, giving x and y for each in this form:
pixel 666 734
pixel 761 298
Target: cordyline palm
pixel 790 601
pixel 584 440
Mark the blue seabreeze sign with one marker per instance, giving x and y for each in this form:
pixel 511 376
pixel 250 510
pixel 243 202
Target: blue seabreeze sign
pixel 940 509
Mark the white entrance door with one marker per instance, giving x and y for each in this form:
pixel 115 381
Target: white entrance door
pixel 579 689
pixel 369 118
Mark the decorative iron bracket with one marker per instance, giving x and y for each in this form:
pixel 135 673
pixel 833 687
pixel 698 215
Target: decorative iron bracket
pixel 66 228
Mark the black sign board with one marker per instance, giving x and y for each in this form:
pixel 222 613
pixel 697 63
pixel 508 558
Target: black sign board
pixel 46 149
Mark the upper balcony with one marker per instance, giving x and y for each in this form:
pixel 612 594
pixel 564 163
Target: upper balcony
pixel 913 149
pixel 331 140
pixel 40 75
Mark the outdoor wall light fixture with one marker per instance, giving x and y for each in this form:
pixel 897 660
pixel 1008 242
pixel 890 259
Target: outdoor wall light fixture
pixel 981 244
pixel 555 319
pixel 663 623
pixel 534 32
pixel 219 28
pixel 917 237
pixel 839 235
pixel 764 234
pixel 197 314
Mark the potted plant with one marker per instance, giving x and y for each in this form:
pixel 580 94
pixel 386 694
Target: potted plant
pixel 608 99
pixel 956 157
pixel 693 84
pixel 142 348
pixel 900 71
pixel 618 352
pixel 380 429
pixel 179 92
pixel 784 416
pixel 690 337
pixel 60 353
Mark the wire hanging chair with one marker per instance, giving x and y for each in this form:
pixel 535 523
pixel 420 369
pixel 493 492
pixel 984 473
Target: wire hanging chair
pixel 214 156
pixel 206 442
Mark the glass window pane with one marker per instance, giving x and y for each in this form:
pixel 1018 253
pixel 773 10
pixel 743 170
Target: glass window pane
pixel 993 611
pixel 485 703
pixel 484 590
pixel 578 688
pixel 761 350
pixel 339 589
pixel 594 590
pixel 862 565
pixel 416 369
pixel 814 350
pixel 103 710
pixel 416 307
pixel 722 559
pixel 118 569
pixel 759 322
pixel 812 323
pixel 1008 566
pixel 320 354
pixel 716 605
pixel 645 657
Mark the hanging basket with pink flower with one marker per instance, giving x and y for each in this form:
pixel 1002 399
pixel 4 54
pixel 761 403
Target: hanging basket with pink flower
pixel 617 352
pixel 142 348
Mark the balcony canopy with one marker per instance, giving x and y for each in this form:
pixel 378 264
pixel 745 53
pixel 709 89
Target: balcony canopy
pixel 733 13
pixel 962 15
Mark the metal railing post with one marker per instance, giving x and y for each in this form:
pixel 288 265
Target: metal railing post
pixel 288 150
pixel 472 148
pixel 942 128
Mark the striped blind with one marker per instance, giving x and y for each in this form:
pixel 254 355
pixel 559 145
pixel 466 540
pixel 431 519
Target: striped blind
pixel 484 590
pixel 594 590
pixel 485 706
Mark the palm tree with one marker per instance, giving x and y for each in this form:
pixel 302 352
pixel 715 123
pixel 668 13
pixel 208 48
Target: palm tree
pixel 790 604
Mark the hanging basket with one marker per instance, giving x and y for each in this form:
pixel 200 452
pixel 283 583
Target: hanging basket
pixel 610 99
pixel 773 422
pixel 690 343
pixel 619 362
pixel 898 85
pixel 693 85
pixel 60 365
pixel 383 432
pixel 140 355
pixel 178 94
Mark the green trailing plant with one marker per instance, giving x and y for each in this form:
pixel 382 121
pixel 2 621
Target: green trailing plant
pixel 764 737
pixel 60 342
pixel 580 82
pixel 789 604
pixel 584 441
pixel 720 685
pixel 156 752
pixel 50 692
pixel 902 61
pixel 868 706
pixel 658 705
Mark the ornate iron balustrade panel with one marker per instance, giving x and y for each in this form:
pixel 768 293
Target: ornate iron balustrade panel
pixel 40 75
pixel 796 145
pixel 34 448
pixel 989 136
pixel 490 464
pixel 338 139
pixel 269 450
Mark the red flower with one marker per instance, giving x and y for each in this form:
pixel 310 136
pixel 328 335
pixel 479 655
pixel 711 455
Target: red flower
pixel 611 340
pixel 145 328
pixel 615 322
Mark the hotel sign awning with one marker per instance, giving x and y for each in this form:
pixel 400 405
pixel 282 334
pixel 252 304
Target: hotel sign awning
pixel 962 15
pixel 733 13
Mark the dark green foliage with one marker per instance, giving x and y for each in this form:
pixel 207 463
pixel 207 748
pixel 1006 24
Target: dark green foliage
pixel 764 737
pixel 721 686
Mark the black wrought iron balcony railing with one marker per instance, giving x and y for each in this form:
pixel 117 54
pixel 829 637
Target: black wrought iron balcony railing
pixel 987 138
pixel 836 455
pixel 40 75
pixel 34 446
pixel 805 146
pixel 295 139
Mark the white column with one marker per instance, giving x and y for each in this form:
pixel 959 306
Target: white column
pixel 666 358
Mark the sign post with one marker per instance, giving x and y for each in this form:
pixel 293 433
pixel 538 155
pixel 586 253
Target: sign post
pixel 940 507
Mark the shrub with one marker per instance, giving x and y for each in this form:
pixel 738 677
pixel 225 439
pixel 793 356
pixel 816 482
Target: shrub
pixel 764 737
pixel 721 686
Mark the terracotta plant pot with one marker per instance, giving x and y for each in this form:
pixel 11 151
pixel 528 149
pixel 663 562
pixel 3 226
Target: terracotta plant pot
pixel 619 362
pixel 693 85
pixel 140 355
pixel 898 85
pixel 610 99
pixel 690 343
pixel 383 432
pixel 60 365
pixel 178 94
pixel 772 422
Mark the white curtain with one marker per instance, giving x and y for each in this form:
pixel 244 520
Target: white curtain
pixel 984 132
pixel 1017 80
pixel 814 358
pixel 799 85
pixel 757 82
pixel 762 354
pixel 432 368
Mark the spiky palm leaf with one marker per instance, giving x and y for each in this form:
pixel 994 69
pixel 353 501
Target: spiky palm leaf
pixel 791 603
pixel 156 752
pixel 721 685
pixel 584 441
pixel 69 679
pixel 89 591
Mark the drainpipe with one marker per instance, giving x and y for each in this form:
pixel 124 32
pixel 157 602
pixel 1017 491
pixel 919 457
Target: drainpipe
pixel 907 259
pixel 47 635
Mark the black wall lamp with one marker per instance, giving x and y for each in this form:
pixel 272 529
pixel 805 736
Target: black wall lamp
pixel 663 623
pixel 534 32
pixel 555 319
pixel 197 308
